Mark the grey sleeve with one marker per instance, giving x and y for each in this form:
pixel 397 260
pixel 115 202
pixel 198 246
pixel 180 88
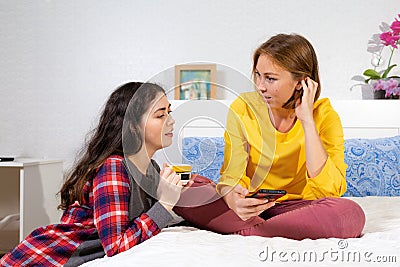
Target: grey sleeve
pixel 160 215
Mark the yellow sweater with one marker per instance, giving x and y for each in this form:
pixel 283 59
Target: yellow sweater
pixel 258 156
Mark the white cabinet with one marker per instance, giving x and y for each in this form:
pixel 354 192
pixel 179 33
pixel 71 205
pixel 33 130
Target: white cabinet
pixel 28 189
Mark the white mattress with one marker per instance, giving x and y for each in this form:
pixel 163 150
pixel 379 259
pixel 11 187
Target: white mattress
pixel 187 246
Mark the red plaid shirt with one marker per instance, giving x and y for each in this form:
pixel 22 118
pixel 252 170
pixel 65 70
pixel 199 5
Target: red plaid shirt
pixel 105 208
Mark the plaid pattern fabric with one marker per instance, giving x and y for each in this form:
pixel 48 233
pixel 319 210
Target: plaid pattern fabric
pixel 105 208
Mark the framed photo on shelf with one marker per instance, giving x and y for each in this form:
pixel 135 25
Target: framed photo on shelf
pixel 195 81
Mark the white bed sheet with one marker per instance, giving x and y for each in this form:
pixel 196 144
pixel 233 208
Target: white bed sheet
pixel 187 246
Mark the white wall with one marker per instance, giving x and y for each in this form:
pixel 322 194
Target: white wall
pixel 61 59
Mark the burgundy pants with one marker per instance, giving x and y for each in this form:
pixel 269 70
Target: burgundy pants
pixel 296 219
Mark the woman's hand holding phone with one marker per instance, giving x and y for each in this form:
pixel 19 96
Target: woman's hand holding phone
pixel 245 207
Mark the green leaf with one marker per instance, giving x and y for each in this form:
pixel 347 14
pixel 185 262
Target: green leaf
pixel 385 74
pixel 373 74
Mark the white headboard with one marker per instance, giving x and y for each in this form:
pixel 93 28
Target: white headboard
pixel 369 118
pixel 360 119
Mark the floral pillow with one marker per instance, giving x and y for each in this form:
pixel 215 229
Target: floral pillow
pixel 373 164
pixel 205 154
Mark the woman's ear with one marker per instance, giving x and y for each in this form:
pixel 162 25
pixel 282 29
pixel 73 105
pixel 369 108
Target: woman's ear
pixel 299 86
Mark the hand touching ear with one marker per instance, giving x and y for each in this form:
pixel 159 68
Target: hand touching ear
pixel 304 109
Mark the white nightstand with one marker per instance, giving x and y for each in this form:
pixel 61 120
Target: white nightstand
pixel 28 187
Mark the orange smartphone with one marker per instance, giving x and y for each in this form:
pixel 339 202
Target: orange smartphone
pixel 269 194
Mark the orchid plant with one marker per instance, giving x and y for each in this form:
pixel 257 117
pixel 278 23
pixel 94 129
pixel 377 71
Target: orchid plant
pixel 376 81
pixel 389 37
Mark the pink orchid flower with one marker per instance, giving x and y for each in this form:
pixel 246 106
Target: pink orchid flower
pixel 379 85
pixel 396 91
pixel 389 38
pixel 392 84
pixel 396 27
pixel 391 87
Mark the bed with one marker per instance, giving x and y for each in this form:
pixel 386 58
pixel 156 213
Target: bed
pixel 186 246
pixel 373 175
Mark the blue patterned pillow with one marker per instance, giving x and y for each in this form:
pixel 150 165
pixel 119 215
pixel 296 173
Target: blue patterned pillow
pixel 205 154
pixel 373 166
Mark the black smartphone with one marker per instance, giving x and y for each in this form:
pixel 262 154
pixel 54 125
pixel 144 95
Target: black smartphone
pixel 6 159
pixel 269 194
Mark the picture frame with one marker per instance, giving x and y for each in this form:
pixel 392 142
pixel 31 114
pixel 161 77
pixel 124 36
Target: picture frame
pixel 195 81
